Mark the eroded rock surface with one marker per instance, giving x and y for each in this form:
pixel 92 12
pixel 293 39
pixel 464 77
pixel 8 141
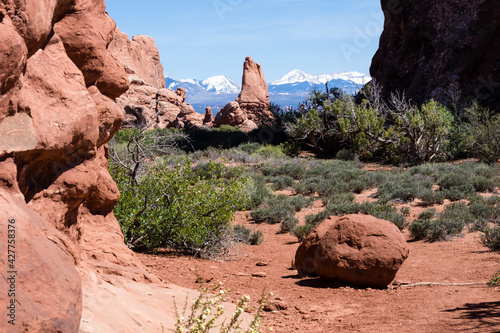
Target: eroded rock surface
pixel 440 49
pixel 147 103
pixel 58 82
pixel 358 250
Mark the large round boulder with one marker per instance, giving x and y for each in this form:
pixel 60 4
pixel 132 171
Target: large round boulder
pixel 358 250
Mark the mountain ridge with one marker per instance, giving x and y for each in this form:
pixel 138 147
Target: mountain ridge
pixel 289 90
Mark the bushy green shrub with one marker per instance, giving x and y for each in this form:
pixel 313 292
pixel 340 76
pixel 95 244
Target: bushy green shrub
pixel 458 192
pixel 451 221
pixel 249 148
pixel 289 223
pixel 256 190
pixel 278 208
pixel 302 231
pixel 483 184
pixel 345 155
pixel 208 170
pixel 168 208
pixel 483 135
pixel 281 182
pixel 491 238
pixel 246 235
pixel 270 151
pixel 404 188
pixel 256 237
pixel 384 212
pixel 427 214
pixel 431 198
pixel 308 186
pixel 315 219
pixel 294 170
pixel 241 233
pixel 419 229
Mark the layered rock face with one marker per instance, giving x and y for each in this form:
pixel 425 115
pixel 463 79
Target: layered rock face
pixel 58 81
pixel 440 49
pixel 251 108
pixel 359 250
pixel 147 102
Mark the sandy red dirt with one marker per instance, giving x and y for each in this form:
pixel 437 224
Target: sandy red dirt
pixel 321 306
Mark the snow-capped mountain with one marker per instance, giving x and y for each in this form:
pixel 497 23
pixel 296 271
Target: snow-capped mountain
pixel 221 85
pixel 289 90
pixel 217 84
pixel 299 76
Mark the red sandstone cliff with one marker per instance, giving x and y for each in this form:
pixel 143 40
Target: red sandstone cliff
pixel 58 85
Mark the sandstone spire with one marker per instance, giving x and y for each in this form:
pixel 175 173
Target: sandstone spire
pixel 251 108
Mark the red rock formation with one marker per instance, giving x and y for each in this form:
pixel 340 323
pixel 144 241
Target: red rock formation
pixel 209 117
pixel 140 57
pixel 251 108
pixel 430 49
pixel 57 85
pixel 58 82
pixel 359 250
pixel 147 102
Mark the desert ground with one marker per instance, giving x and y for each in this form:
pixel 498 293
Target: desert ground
pixel 454 296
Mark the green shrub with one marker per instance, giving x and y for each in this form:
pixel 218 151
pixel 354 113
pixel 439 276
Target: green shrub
pixel 483 137
pixel 436 232
pixel 298 202
pixel 427 214
pixel 249 148
pixel 168 208
pixel 458 192
pixel 481 210
pixel 495 280
pixel 256 190
pixel 270 151
pixel 451 221
pixel 289 223
pixel 271 214
pixel 340 198
pixel 491 238
pixel 241 233
pixel 483 184
pixel 277 209
pixel 209 170
pixel 404 188
pixel 282 182
pixel 308 186
pixel 431 198
pixel 343 208
pixel 345 155
pixel 315 219
pixel 292 169
pixel 302 231
pixel 479 225
pixel 453 179
pixel 419 229
pixel 256 237
pixel 246 235
pixel 384 212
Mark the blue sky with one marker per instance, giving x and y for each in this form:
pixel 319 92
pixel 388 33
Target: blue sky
pixel 202 38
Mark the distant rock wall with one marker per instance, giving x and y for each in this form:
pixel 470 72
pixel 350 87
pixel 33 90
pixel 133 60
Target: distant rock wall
pixel 147 102
pixel 431 48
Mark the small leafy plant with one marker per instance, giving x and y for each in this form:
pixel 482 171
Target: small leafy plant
pixel 208 307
